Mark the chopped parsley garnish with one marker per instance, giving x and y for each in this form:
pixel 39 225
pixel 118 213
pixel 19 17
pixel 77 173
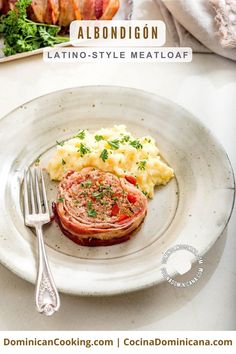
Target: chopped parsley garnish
pixel 83 150
pixel 115 199
pixel 148 140
pixel 63 161
pixel 105 189
pixel 103 202
pixel 37 161
pixel 145 193
pixel 136 144
pixel 61 143
pixel 108 189
pixel 60 200
pixel 97 195
pixel 87 183
pixel 104 155
pixel 80 135
pixel 125 139
pixel 114 144
pixel 99 137
pixel 90 211
pixel 76 202
pixel 142 165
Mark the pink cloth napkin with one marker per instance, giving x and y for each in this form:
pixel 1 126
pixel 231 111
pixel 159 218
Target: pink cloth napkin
pixel 226 21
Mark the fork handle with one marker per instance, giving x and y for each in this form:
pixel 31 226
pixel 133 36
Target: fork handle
pixel 46 295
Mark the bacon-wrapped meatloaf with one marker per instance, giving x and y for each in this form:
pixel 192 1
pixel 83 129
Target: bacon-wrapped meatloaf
pixel 63 12
pixel 96 208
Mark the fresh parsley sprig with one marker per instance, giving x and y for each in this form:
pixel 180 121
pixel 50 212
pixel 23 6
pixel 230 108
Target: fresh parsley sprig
pixel 23 35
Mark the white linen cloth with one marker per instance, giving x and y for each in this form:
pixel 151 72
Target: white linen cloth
pixel 205 25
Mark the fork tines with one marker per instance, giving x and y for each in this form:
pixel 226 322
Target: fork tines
pixel 35 198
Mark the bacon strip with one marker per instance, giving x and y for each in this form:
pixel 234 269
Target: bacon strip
pixel 55 10
pixel 76 10
pixel 98 8
pixel 39 7
pixel 63 12
pixel 88 9
pixel 110 8
pixel 4 6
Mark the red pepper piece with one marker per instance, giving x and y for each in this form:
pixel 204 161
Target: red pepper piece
pixel 115 210
pixel 118 195
pixel 122 217
pixel 131 198
pixel 131 179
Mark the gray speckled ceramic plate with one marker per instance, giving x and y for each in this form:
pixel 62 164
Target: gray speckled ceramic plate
pixel 192 209
pixel 125 13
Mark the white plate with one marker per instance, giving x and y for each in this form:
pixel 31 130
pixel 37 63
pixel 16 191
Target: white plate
pixel 125 13
pixel 192 209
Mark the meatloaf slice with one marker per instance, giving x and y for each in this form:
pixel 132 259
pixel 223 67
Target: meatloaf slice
pixel 96 208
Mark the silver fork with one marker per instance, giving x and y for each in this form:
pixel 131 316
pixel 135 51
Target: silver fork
pixel 36 215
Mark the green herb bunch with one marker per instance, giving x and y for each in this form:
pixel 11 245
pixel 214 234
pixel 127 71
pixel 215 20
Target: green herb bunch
pixel 23 35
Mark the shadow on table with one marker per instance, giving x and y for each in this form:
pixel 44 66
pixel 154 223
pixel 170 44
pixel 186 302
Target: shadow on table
pixel 123 312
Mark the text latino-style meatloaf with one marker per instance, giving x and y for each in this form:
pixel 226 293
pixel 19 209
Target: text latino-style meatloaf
pixel 96 208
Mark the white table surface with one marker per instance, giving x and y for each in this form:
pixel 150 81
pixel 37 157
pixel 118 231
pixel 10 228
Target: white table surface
pixel 207 87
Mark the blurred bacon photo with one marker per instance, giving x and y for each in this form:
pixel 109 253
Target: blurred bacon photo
pixel 63 12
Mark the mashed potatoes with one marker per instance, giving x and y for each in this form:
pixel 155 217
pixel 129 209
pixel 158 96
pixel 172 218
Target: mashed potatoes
pixel 114 150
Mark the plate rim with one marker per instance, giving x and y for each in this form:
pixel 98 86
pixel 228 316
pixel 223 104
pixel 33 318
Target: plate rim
pixel 194 118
